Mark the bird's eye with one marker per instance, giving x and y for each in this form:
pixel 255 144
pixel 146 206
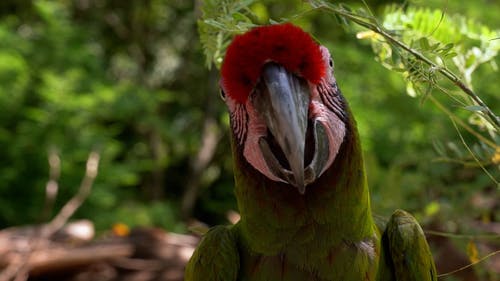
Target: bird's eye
pixel 330 61
pixel 222 94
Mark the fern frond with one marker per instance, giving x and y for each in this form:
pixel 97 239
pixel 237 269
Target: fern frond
pixel 221 20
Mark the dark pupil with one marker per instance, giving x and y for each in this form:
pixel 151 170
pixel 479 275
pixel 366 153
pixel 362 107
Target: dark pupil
pixel 330 62
pixel 222 94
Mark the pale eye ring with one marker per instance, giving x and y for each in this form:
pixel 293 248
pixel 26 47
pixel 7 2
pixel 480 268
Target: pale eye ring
pixel 222 94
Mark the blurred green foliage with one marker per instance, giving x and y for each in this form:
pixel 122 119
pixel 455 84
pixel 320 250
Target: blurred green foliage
pixel 129 79
pixel 122 78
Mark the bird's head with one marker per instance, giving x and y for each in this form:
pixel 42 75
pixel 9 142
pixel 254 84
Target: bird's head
pixel 287 114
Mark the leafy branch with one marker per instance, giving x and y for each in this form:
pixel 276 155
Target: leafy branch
pixel 220 21
pixel 368 21
pixel 420 44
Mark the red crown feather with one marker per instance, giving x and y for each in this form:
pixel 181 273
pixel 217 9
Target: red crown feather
pixel 284 44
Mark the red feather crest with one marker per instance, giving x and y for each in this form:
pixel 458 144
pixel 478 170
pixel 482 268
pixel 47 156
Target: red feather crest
pixel 284 44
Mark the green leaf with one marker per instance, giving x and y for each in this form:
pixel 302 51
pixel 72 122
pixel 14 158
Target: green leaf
pixel 341 20
pixel 398 69
pixel 424 43
pixel 447 47
pixel 450 55
pixel 345 7
pixel 475 108
pixel 241 17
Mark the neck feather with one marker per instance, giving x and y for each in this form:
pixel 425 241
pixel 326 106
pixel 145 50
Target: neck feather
pixel 275 215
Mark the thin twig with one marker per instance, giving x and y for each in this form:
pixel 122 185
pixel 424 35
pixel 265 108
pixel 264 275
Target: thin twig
pixel 469 265
pixel 465 163
pixel 210 139
pixel 52 186
pixel 463 236
pixel 76 201
pixel 18 270
pixel 462 123
pixel 472 153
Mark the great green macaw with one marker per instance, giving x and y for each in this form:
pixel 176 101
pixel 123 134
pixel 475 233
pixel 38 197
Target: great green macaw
pixel 299 175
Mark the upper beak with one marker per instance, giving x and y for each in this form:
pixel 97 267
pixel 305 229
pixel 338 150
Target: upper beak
pixel 283 101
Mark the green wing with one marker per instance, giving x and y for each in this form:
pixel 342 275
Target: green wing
pixel 216 258
pixel 406 250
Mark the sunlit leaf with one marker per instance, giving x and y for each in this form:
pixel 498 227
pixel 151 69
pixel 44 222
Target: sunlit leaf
pixel 472 252
pixel 496 157
pixel 424 43
pixel 432 208
pixel 241 17
pixel 474 108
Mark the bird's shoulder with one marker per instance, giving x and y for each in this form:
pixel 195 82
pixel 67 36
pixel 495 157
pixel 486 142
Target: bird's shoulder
pixel 405 248
pixel 216 257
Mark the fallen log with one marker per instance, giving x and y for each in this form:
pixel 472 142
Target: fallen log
pixel 144 254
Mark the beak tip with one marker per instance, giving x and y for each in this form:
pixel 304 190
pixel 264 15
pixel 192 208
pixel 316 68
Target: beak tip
pixel 302 189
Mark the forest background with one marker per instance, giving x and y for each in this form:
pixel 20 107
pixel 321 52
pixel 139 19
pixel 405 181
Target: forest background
pixel 129 80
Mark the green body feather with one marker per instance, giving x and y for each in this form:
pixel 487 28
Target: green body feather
pixel 327 234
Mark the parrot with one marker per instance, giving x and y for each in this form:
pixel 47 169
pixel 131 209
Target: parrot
pixel 300 180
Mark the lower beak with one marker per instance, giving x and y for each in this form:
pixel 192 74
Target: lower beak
pixel 283 101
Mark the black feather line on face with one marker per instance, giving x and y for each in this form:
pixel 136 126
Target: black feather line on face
pixel 239 123
pixel 332 98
